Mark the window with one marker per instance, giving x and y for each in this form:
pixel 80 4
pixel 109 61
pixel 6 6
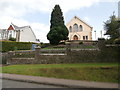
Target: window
pixel 70 29
pixel 85 37
pixel 75 27
pixel 81 28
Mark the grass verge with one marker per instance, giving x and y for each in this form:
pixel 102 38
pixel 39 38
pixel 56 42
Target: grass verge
pixel 102 72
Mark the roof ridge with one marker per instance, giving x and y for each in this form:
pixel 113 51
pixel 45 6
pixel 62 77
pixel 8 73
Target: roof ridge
pixel 13 25
pixel 17 27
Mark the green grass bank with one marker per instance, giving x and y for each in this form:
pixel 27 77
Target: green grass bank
pixel 101 72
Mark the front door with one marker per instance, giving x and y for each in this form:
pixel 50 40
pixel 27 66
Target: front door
pixel 75 37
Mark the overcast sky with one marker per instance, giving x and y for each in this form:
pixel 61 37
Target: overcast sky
pixel 36 13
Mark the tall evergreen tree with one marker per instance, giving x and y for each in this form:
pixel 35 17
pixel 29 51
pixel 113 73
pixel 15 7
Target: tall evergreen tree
pixel 58 31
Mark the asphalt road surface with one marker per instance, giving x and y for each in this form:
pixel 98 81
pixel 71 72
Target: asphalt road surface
pixel 18 84
pixel 7 84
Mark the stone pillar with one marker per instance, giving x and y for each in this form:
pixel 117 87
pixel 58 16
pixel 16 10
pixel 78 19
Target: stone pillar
pixel 101 43
pixel 37 52
pixel 9 57
pixel 68 49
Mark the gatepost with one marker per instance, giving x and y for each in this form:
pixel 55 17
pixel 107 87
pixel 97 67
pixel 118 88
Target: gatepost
pixel 68 49
pixel 9 56
pixel 101 43
pixel 37 52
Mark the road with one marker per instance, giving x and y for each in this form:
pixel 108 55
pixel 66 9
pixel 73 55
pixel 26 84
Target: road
pixel 18 84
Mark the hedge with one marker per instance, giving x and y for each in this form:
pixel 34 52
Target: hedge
pixel 12 45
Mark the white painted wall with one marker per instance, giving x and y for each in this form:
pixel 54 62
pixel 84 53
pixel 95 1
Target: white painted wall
pixel 27 35
pixel 3 34
pixel 11 33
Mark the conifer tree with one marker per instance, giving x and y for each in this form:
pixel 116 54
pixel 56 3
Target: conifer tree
pixel 58 31
pixel 112 27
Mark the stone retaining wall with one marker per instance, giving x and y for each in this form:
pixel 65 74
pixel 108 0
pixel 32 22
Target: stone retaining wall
pixel 103 54
pixel 73 57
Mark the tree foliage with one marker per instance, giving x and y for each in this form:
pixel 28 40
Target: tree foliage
pixel 112 27
pixel 58 31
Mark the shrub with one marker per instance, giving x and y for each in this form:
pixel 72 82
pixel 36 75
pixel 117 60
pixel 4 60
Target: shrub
pixel 12 39
pixel 41 43
pixel 117 41
pixel 59 46
pixel 94 43
pixel 80 42
pixel 109 41
pixel 11 46
pixel 44 45
pixel 101 38
pixel 62 43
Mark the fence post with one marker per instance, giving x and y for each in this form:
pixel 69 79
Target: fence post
pixel 68 49
pixel 37 52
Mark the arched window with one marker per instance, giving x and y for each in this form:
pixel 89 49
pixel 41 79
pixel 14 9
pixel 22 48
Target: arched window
pixel 81 28
pixel 75 27
pixel 70 29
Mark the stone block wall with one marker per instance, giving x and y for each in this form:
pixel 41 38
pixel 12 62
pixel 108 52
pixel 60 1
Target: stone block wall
pixel 21 61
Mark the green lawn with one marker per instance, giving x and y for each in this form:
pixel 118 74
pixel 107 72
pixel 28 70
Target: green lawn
pixel 103 72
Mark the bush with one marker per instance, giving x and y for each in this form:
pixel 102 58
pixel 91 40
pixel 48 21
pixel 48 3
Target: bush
pixel 59 46
pixel 12 39
pixel 44 45
pixel 80 42
pixel 109 41
pixel 62 43
pixel 101 38
pixel 117 41
pixel 11 46
pixel 41 43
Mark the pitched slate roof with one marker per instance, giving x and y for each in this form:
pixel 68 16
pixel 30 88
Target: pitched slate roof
pixel 18 28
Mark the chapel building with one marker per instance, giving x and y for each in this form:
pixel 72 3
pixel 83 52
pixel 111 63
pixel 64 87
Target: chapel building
pixel 79 30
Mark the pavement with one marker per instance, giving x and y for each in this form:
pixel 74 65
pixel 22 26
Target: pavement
pixel 19 84
pixel 59 82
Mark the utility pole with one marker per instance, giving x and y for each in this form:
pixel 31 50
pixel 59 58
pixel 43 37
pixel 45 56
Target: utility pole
pixel 119 9
pixel 101 33
pixel 95 34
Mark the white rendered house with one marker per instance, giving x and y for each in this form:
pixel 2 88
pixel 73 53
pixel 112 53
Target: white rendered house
pixel 22 34
pixel 3 34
